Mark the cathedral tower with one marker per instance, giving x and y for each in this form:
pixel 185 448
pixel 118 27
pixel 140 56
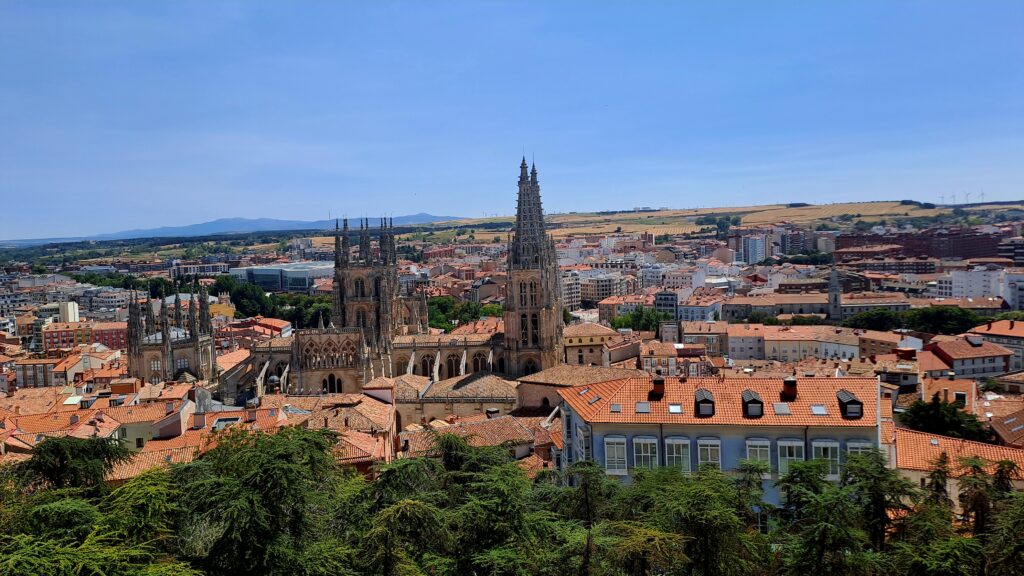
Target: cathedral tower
pixel 533 300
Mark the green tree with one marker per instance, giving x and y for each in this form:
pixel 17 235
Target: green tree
pixel 880 493
pixel 1005 547
pixel 944 418
pixel 881 319
pixel 940 319
pixel 68 462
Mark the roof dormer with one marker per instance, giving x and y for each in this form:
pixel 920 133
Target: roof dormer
pixel 849 405
pixel 753 406
pixel 703 403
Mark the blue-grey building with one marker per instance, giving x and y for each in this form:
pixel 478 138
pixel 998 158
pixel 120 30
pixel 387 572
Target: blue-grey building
pixel 287 277
pixel 646 422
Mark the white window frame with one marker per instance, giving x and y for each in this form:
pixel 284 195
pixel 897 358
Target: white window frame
pixel 682 461
pixel 645 452
pixel 617 442
pixel 709 443
pixel 859 447
pixel 834 463
pixel 783 459
pixel 759 445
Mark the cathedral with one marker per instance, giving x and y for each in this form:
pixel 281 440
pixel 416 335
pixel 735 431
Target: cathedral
pixel 375 330
pixel 175 348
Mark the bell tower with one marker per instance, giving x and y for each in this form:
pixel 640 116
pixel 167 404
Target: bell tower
pixel 533 299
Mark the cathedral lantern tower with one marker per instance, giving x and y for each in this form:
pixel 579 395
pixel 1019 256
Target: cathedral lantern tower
pixel 533 300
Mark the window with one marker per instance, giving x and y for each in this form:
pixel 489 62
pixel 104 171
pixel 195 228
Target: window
pixel 583 442
pixel 827 450
pixel 675 408
pixel 645 453
pixel 854 410
pixel 154 365
pixel 709 451
pixel 859 447
pixel 181 363
pixel 759 449
pixel 706 409
pixel 140 442
pixel 677 453
pixel 789 451
pixel 615 455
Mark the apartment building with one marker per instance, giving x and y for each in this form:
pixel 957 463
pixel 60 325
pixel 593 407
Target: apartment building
pixel 646 422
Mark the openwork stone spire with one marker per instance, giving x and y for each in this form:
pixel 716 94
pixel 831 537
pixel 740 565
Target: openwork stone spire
pixel 530 243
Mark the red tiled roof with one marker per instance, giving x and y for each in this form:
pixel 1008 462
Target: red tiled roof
pixel 487 432
pixel 917 450
pixel 594 403
pixel 961 348
pixel 144 461
pixel 1006 328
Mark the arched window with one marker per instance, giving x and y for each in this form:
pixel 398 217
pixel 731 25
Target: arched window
pixel 529 367
pixel 401 366
pixel 360 288
pixel 479 362
pixel 579 356
pixel 533 293
pixel 501 364
pixel 524 329
pixel 428 366
pixel 309 356
pixel 348 354
pixel 534 330
pixel 361 318
pixel 376 286
pixel 522 293
pixel 452 364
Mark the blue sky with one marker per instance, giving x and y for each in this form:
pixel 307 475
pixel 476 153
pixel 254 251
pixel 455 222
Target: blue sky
pixel 117 115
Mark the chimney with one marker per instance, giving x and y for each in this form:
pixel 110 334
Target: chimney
pixel 250 415
pixel 990 325
pixel 788 393
pixel 658 383
pixel 951 375
pixel 945 394
pixel 199 420
pixel 1012 322
pixel 74 419
pixel 169 407
pixel 491 413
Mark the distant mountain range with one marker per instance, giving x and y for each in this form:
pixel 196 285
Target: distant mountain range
pixel 229 226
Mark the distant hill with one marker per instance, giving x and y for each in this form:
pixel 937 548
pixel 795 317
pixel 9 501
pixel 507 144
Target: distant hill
pixel 229 226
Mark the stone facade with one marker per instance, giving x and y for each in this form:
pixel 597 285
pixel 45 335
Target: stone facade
pixel 376 331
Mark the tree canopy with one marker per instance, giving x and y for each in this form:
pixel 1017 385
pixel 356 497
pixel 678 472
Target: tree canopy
pixel 278 504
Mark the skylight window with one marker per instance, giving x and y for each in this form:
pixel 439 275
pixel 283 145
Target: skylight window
pixel 616 408
pixel 781 409
pixel 643 407
pixel 593 400
pixel 584 391
pixel 675 408
pixel 819 410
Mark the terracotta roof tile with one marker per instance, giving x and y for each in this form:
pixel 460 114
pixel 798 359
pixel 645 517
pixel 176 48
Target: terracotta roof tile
pixel 595 403
pixel 488 432
pixel 916 451
pixel 576 375
pixel 476 385
pixel 145 461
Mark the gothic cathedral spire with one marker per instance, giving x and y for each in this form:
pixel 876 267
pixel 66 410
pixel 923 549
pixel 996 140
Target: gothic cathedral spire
pixel 533 310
